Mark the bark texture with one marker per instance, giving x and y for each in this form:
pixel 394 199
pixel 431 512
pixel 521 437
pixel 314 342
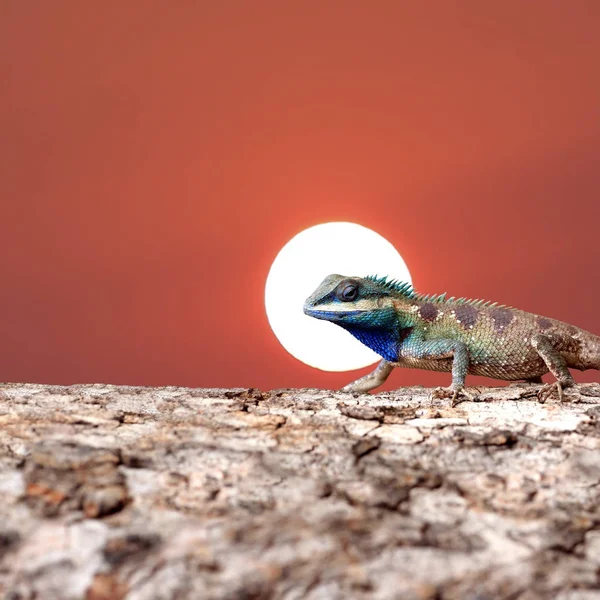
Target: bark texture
pixel 112 492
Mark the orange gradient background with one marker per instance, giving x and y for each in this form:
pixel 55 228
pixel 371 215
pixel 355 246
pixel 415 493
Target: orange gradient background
pixel 156 155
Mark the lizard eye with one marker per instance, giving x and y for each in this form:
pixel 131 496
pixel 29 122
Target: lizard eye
pixel 348 293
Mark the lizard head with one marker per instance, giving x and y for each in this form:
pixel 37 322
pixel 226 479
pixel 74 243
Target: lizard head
pixel 366 307
pixel 352 302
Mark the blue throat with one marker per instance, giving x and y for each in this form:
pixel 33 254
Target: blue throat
pixel 385 341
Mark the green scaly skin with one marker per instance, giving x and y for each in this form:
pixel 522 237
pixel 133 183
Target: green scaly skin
pixel 452 335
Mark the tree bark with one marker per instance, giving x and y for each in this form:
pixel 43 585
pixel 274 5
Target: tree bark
pixel 113 492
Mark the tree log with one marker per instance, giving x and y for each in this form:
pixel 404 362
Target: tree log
pixel 113 492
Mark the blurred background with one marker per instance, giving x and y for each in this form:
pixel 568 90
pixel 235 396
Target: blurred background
pixel 156 155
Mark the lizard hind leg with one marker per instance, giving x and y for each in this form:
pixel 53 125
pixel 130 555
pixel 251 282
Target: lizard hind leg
pixel 556 365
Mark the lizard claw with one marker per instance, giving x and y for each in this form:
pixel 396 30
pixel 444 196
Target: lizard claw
pixel 545 392
pixel 455 393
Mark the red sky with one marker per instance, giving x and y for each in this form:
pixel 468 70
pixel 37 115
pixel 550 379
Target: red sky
pixel 156 155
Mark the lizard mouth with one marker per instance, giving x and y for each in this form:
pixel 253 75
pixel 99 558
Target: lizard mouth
pixel 328 315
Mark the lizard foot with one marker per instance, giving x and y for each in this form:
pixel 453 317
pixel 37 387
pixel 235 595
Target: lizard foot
pixel 456 395
pixel 351 388
pixel 545 392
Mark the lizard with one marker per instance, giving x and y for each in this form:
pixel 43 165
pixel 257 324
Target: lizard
pixel 457 335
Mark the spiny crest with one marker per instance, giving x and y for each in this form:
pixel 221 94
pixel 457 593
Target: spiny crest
pixel 476 303
pixel 438 298
pixel 394 285
pixel 431 297
pixel 406 289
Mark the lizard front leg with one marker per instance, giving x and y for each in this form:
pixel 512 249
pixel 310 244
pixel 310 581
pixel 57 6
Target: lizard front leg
pixel 556 365
pixel 372 380
pixel 442 349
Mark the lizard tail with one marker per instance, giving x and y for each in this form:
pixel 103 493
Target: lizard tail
pixel 589 355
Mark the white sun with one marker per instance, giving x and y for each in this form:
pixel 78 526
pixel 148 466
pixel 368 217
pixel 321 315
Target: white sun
pixel 301 265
